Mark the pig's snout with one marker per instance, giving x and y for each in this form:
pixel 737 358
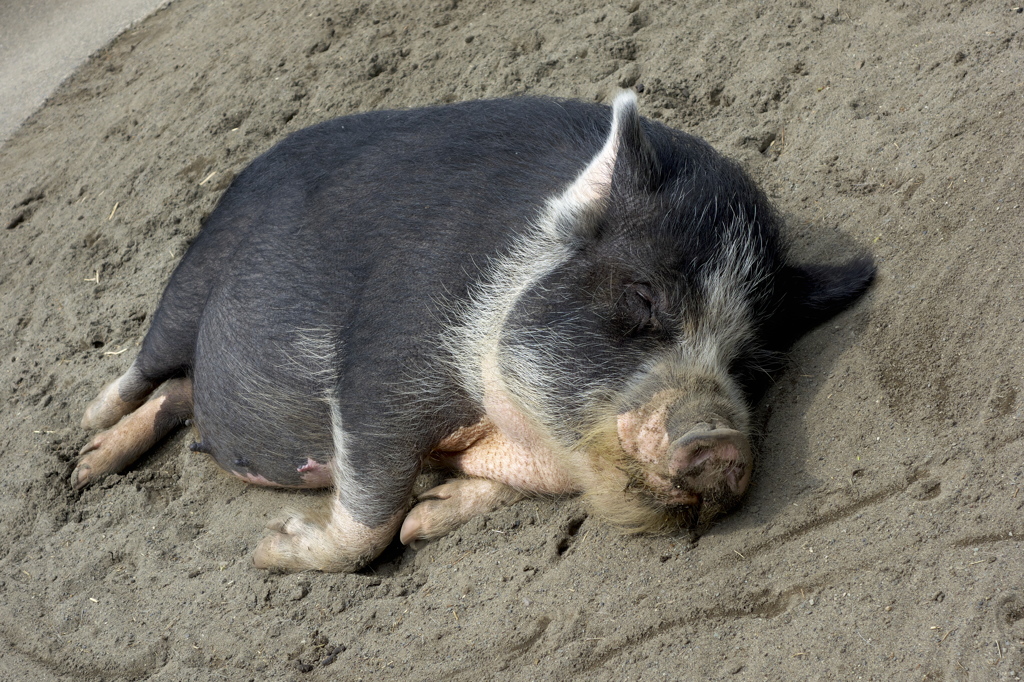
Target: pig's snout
pixel 694 476
pixel 706 456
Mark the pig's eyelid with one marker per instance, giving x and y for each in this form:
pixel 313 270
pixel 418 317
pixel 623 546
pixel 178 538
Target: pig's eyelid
pixel 646 293
pixel 649 295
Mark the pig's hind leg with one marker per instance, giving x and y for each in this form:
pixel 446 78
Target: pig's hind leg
pixel 141 417
pixel 369 500
pixel 113 450
pixel 328 539
pixel 118 398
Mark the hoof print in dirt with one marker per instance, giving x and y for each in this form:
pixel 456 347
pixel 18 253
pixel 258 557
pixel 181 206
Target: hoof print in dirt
pixel 568 535
pixel 925 489
pixel 1010 616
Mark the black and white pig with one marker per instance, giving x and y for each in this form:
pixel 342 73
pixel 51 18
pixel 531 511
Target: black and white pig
pixel 548 297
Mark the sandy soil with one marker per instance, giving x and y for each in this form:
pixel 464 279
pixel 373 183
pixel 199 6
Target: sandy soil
pixel 882 536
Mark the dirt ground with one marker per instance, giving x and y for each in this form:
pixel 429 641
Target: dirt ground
pixel 881 539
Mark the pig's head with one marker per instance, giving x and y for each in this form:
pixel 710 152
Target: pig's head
pixel 633 328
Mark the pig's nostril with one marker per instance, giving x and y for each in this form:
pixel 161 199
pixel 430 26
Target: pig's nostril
pixel 736 477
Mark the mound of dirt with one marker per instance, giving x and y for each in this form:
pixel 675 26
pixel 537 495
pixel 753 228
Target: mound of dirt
pixel 882 536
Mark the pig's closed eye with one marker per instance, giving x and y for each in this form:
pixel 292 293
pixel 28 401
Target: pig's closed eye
pixel 641 306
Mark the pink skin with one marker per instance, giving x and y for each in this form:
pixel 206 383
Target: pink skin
pixel 495 456
pixel 519 456
pixel 644 436
pixel 503 455
pixel 506 456
pixel 133 433
pixel 253 479
pixel 314 475
pixel 726 445
pixel 499 469
pixel 646 440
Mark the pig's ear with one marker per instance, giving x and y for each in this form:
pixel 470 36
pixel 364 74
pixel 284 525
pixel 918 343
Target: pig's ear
pixel 626 162
pixel 816 293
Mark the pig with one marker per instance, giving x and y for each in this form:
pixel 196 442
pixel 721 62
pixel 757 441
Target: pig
pixel 545 297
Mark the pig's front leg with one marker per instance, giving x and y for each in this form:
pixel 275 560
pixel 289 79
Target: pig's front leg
pixel 444 508
pixel 500 472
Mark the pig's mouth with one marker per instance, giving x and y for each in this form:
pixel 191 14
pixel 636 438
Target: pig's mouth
pixel 694 498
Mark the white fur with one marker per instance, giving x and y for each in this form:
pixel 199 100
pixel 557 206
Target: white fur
pixel 728 290
pixel 347 487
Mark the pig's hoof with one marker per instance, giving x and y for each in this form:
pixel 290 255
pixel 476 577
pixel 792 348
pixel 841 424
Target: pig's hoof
pixel 289 551
pixel 443 509
pixel 338 545
pixel 81 476
pixel 299 545
pixel 92 465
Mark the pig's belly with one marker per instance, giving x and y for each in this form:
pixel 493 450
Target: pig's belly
pixel 260 447
pixel 260 419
